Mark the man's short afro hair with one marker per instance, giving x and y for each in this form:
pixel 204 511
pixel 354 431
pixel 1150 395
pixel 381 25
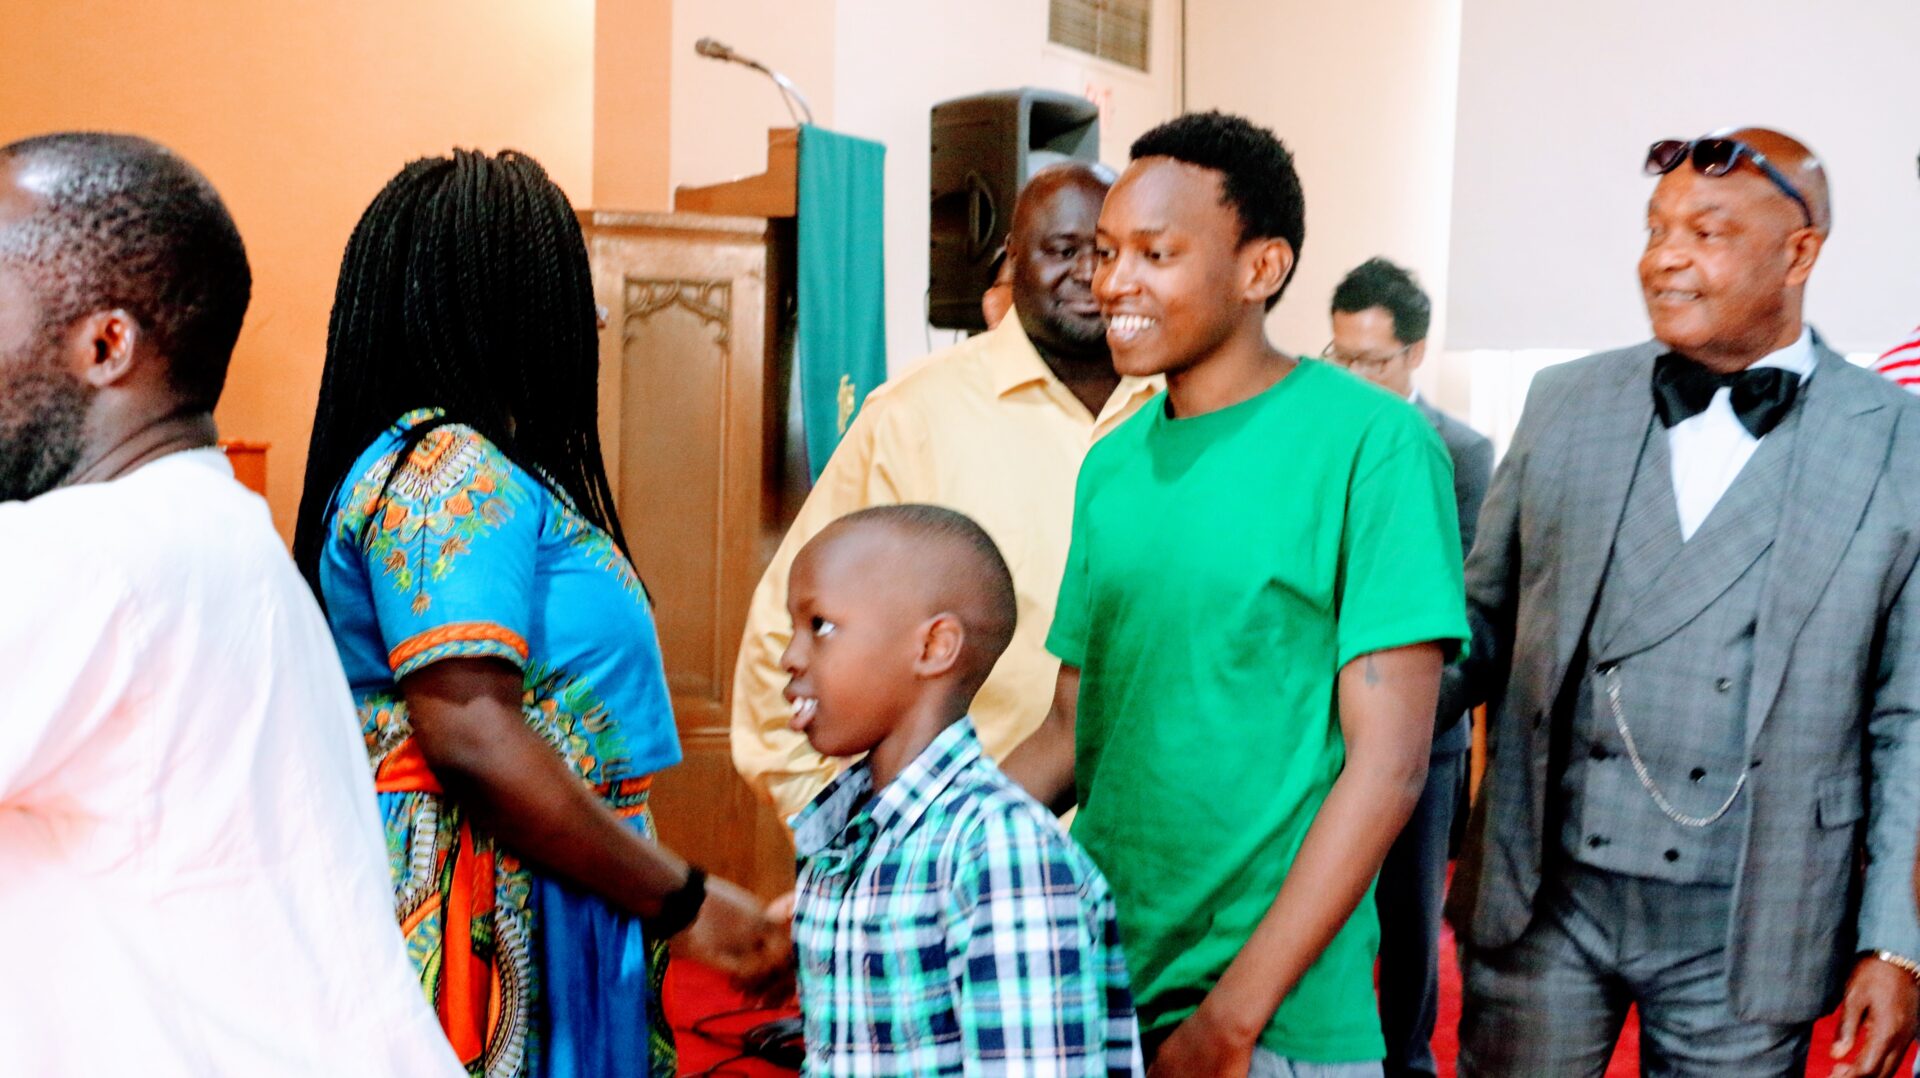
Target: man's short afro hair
pixel 1379 283
pixel 1257 178
pixel 122 221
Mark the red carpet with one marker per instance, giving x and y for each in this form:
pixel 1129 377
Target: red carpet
pixel 696 993
pixel 693 991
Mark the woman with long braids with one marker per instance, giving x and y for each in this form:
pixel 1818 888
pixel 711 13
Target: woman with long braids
pixel 459 528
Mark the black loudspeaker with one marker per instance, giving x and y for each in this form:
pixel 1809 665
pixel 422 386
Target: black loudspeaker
pixel 984 148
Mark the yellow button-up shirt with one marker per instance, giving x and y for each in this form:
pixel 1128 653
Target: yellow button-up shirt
pixel 984 428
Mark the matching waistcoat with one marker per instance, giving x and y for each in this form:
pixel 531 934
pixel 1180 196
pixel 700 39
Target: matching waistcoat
pixel 1672 635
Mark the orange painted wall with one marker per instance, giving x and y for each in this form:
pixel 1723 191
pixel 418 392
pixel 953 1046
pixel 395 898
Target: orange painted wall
pixel 300 112
pixel 632 76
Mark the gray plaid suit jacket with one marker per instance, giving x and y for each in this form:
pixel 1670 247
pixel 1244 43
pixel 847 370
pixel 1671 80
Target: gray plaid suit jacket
pixel 1833 713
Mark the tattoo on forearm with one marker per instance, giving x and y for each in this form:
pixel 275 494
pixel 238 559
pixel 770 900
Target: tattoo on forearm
pixel 1371 673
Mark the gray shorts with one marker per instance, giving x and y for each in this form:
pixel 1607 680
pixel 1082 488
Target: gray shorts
pixel 1268 1065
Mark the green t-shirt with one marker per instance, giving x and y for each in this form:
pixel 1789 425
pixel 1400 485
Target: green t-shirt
pixel 1223 569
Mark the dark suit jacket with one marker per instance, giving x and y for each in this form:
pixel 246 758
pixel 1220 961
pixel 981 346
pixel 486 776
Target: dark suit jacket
pixel 1832 805
pixel 1472 454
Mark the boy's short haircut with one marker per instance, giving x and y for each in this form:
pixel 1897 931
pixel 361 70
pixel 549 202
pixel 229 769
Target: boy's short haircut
pixel 1257 178
pixel 1379 283
pixel 970 579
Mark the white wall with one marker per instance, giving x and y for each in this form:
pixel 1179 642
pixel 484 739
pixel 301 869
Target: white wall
pixel 1558 103
pixel 1362 92
pixel 875 68
pixel 720 111
pixel 1492 146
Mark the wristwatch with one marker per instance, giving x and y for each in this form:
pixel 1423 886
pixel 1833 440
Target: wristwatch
pixel 1900 962
pixel 678 909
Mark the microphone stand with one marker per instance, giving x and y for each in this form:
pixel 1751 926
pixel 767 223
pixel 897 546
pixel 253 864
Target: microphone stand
pixel 789 93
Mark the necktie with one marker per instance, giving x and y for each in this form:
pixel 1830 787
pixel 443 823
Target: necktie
pixel 1761 396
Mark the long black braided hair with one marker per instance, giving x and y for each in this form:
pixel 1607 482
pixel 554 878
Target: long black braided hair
pixel 465 287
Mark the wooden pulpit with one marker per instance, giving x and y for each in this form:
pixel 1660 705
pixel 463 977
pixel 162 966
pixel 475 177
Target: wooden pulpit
pixel 695 418
pixel 772 194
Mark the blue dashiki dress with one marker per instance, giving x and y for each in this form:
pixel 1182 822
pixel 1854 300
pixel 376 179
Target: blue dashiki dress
pixel 462 555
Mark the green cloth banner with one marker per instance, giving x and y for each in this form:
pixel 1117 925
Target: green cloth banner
pixel 840 335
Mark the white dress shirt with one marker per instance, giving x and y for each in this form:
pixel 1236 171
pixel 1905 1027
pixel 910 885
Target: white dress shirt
pixel 1708 450
pixel 193 878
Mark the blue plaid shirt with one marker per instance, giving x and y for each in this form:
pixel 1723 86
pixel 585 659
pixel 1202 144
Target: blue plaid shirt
pixel 948 926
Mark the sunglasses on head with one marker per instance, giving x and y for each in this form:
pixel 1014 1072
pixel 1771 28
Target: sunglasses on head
pixel 1717 157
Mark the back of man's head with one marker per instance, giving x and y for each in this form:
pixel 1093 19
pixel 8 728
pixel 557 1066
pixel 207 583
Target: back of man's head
pixel 1379 283
pixel 121 222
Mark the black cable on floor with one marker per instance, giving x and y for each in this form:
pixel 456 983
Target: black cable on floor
pixel 714 1071
pixel 701 1028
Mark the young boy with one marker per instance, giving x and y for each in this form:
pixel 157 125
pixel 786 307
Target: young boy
pixel 944 924
pixel 1263 582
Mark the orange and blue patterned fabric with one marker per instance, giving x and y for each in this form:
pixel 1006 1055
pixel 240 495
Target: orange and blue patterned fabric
pixel 457 552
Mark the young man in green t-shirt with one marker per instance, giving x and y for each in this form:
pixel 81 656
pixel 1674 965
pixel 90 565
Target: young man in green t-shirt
pixel 1263 584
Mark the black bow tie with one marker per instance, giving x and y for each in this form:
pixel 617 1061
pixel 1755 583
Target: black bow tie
pixel 1762 396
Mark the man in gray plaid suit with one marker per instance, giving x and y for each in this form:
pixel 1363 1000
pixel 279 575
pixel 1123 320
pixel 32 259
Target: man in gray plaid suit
pixel 1692 612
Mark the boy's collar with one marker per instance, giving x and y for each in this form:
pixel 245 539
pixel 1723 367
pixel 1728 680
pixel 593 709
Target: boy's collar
pixel 900 804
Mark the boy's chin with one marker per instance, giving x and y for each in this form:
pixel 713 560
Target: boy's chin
pixel 826 740
pixel 1157 357
pixel 1138 362
pixel 826 744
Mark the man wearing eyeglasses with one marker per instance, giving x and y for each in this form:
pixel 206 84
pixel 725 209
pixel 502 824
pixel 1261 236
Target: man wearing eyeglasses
pixel 1380 318
pixel 1691 606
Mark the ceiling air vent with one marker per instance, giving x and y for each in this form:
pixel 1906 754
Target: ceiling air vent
pixel 1113 30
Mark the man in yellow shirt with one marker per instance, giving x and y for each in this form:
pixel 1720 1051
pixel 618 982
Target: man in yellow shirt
pixel 995 428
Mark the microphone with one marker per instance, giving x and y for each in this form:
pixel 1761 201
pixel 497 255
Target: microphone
pixel 789 93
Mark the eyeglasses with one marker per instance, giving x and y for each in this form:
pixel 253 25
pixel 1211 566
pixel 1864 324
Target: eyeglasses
pixel 1362 363
pixel 1717 157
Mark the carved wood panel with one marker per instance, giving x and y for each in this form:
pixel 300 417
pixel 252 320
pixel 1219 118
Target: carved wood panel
pixel 683 407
